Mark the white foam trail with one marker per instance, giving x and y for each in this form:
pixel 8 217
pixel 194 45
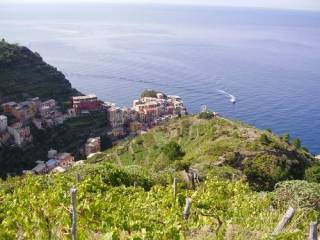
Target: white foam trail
pixel 232 98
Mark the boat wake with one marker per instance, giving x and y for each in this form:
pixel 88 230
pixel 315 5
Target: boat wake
pixel 231 97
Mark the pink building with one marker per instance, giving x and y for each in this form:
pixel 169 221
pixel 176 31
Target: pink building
pixel 86 103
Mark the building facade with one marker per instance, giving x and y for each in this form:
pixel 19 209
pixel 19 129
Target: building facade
pixel 3 123
pixel 86 103
pixel 21 134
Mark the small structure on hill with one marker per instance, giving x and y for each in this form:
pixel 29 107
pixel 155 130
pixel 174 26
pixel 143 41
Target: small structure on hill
pixel 56 162
pixel 93 145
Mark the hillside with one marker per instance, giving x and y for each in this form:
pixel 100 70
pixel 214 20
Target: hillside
pixel 126 192
pixel 217 145
pixel 24 74
pixel 241 180
pixel 68 137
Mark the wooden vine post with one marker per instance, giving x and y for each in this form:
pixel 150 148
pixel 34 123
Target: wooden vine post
pixel 313 233
pixel 74 219
pixel 187 208
pixel 193 180
pixel 175 187
pixel 284 221
pixel 78 177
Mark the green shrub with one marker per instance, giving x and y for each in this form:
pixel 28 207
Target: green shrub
pixel 297 194
pixel 173 151
pixel 264 139
pixel 264 171
pixel 269 130
pixel 296 143
pixel 206 115
pixel 182 165
pixel 286 138
pixel 151 93
pixel 312 174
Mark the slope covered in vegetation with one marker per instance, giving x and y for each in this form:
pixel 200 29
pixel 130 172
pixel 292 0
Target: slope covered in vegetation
pixel 127 193
pixel 126 203
pixel 216 145
pixel 24 74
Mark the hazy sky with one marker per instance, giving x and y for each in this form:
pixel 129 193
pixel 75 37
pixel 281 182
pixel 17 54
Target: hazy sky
pixel 294 4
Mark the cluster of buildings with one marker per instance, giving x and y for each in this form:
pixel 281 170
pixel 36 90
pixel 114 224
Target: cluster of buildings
pixel 16 133
pixel 60 162
pixel 145 113
pixel 57 162
pixel 42 114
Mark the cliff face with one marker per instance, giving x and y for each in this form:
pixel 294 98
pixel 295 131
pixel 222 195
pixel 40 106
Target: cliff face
pixel 24 74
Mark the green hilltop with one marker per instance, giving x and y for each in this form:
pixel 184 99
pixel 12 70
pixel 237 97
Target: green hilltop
pixel 24 74
pixel 218 145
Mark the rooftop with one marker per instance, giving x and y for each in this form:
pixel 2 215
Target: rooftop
pixel 10 103
pixel 84 97
pixel 50 101
pixel 52 163
pixel 93 140
pixel 39 168
pixel 63 155
pixel 58 170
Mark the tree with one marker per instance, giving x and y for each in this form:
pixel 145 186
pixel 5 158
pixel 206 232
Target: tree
pixel 264 139
pixel 151 93
pixel 269 130
pixel 286 138
pixel 182 165
pixel 206 115
pixel 297 143
pixel 312 174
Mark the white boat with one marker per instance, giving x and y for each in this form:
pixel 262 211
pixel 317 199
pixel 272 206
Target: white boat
pixel 232 98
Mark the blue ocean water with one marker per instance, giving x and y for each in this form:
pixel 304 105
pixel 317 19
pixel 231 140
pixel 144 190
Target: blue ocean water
pixel 268 59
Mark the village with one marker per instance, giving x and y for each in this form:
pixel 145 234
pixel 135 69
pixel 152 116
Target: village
pixel 145 113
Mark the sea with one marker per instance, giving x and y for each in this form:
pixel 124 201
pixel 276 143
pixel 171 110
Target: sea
pixel 267 60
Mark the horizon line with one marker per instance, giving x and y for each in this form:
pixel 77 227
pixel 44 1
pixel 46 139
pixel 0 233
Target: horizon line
pixel 160 4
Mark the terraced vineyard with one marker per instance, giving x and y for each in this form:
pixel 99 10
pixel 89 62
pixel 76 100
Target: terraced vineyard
pixel 127 192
